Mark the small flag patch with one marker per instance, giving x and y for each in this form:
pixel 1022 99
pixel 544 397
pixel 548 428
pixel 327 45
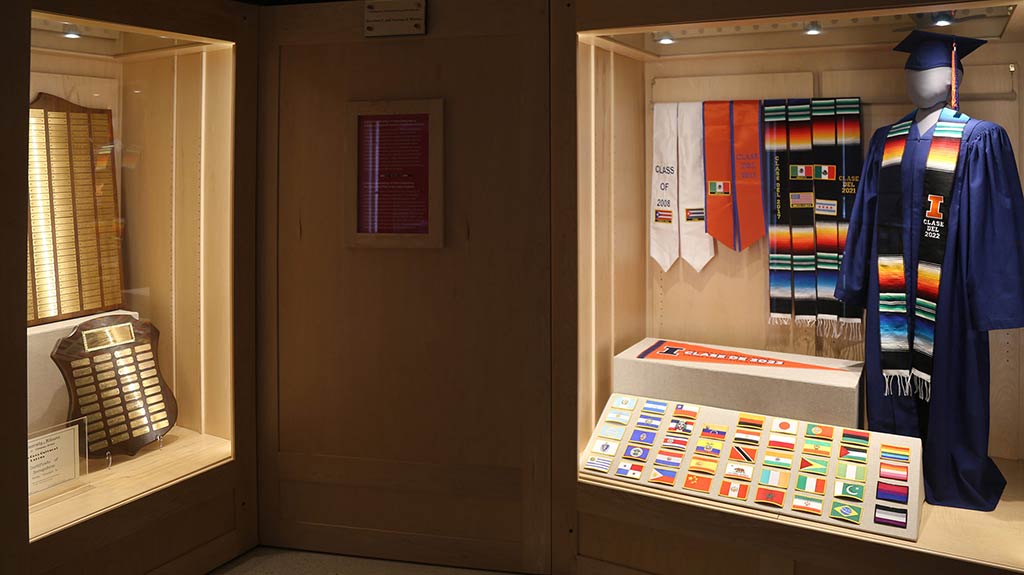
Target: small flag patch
pixel 801 171
pixel 719 188
pixel 782 441
pixel 846 512
pixel 885 515
pixel 808 484
pixel 605 447
pixel 807 504
pixel 743 453
pixel 848 490
pixel 734 490
pixel 819 447
pixel 697 483
pixel 686 410
pixel 694 214
pixel 648 422
pixel 801 199
pixel 636 452
pixel 714 432
pixel 612 431
pixel 617 417
pixel 892 492
pixel 895 453
pixel 662 476
pixel 774 478
pixel 824 172
pixel 663 216
pixel 819 431
pixel 703 465
pixel 852 453
pixel 855 437
pixel 709 447
pixel 893 471
pixel 624 402
pixel 680 426
pixel 655 407
pixel 629 470
pixel 676 443
pixel 751 421
pixel 739 471
pixel 787 426
pixel 779 459
pixel 641 436
pixel 769 496
pixel 748 436
pixel 599 464
pixel 852 471
pixel 815 465
pixel 668 459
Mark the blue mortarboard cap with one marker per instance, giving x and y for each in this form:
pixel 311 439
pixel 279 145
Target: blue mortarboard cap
pixel 930 50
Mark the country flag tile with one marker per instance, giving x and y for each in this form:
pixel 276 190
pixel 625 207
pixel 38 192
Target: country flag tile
pixel 750 421
pixel 663 476
pixel 747 436
pixel 642 436
pixel 818 431
pixel 668 458
pixel 654 406
pixel 598 463
pixel 780 459
pixel 892 492
pixel 739 471
pixel 810 484
pixel 892 516
pixel 624 402
pixel 770 496
pixel 848 490
pixel 855 437
pixel 852 471
pixel 648 422
pixel 780 425
pixel 680 427
pixel 697 483
pixel 774 478
pixel 605 447
pixel 814 465
pixel 686 410
pixel 676 443
pixel 743 453
pixel 708 447
pixel 703 465
pixel 615 416
pixel 734 490
pixel 629 470
pixel 636 453
pixel 782 441
pixel 846 512
pixel 710 431
pixel 612 431
pixel 895 453
pixel 819 447
pixel 853 453
pixel 893 471
pixel 807 504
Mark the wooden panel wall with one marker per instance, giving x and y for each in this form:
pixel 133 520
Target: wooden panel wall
pixel 405 408
pixel 611 220
pixel 726 303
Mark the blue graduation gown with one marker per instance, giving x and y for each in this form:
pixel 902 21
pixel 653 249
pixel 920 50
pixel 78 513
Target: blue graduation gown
pixel 982 288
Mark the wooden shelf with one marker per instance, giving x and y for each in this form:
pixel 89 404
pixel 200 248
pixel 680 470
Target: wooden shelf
pixel 184 454
pixel 990 539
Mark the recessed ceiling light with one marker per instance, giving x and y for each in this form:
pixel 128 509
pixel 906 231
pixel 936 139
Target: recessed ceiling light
pixel 943 18
pixel 664 38
pixel 812 29
pixel 71 32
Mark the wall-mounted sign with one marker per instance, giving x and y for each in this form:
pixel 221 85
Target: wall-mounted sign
pixel 394 17
pixel 394 156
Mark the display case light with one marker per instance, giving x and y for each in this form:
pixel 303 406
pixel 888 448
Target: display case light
pixel 813 28
pixel 71 32
pixel 943 18
pixel 664 38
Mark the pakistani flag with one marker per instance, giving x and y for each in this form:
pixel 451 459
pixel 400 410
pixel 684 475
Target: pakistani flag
pixel 846 490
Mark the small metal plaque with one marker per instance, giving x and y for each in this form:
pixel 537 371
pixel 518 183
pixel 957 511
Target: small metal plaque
pixel 394 17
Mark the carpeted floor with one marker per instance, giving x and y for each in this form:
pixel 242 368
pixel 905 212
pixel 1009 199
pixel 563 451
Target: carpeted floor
pixel 273 561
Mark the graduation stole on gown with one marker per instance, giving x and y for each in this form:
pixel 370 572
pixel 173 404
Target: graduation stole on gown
pixel 780 254
pixel 850 163
pixel 800 191
pixel 907 364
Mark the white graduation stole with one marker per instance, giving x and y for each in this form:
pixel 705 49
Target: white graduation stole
pixel 664 209
pixel 697 247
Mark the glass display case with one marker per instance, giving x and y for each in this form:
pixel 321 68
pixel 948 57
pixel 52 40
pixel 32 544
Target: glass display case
pixel 130 268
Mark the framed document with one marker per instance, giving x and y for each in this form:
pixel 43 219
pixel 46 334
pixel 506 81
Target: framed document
pixel 394 171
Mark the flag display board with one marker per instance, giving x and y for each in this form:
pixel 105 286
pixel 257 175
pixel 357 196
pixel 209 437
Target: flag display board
pixel 839 476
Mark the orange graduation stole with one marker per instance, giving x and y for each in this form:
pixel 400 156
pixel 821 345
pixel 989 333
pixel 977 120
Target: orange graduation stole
pixel 734 212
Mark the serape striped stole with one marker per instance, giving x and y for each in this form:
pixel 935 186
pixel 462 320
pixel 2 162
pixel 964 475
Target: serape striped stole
pixel 907 359
pixel 800 190
pixel 826 210
pixel 850 163
pixel 780 255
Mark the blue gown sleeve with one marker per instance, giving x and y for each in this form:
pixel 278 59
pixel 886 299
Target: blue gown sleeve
pixel 995 238
pixel 852 283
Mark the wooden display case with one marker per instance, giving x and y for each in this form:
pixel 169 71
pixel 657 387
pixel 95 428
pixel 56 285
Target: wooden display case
pixel 621 296
pixel 179 79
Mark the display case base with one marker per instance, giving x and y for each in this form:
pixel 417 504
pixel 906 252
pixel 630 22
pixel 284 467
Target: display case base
pixel 184 454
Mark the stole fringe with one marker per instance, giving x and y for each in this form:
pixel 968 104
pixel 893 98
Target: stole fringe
pixel 804 321
pixel 922 386
pixel 779 319
pixel 851 329
pixel 828 327
pixel 900 381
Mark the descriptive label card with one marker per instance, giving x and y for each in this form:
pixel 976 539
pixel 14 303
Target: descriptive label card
pixel 53 459
pixel 394 17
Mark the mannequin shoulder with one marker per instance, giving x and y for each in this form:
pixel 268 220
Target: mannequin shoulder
pixel 983 130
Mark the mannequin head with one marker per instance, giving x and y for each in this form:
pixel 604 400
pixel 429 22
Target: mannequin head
pixel 930 88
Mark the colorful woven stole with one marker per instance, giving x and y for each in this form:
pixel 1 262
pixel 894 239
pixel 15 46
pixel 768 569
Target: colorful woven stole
pixel 780 256
pixel 718 209
pixel 906 361
pixel 848 174
pixel 826 202
pixel 800 189
pixel 732 170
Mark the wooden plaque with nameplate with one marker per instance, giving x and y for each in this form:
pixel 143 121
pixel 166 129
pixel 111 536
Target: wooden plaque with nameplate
pixel 112 373
pixel 74 240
